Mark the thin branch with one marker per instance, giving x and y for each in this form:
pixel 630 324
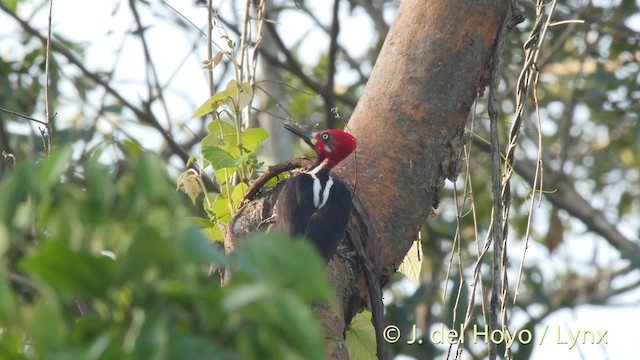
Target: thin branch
pixel 23 116
pixel 260 12
pixel 291 64
pixel 331 67
pixel 47 69
pixel 355 64
pixel 528 75
pixel 293 67
pixel 243 39
pixel 210 47
pixel 565 22
pixel 382 28
pixel 152 79
pixel 144 116
pixel 500 187
pixel 567 198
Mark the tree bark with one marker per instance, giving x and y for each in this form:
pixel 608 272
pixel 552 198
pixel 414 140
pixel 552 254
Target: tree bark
pixel 410 120
pixel 409 124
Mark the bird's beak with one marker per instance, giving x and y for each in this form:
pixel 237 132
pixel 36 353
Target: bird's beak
pixel 307 136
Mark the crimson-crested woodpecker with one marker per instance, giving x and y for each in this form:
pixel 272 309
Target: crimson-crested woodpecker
pixel 313 204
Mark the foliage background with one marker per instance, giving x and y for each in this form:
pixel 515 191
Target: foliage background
pixel 128 75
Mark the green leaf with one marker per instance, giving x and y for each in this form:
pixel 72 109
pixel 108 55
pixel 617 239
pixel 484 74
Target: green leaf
pixel 238 193
pixel 252 137
pixel 220 207
pixel 294 264
pixel 203 223
pixel 7 299
pixel 151 178
pixel 48 328
pixel 221 176
pixel 67 270
pixel 246 295
pixel 361 337
pixel 213 103
pixel 221 159
pixel 241 94
pixel 11 4
pixel 55 165
pixel 195 249
pixel 196 347
pixel 220 146
pixel 148 251
pixel 209 228
pixel 296 319
pixel 221 133
pixel 218 157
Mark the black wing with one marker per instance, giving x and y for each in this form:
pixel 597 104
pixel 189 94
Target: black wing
pixel 297 216
pixel 295 205
pixel 327 225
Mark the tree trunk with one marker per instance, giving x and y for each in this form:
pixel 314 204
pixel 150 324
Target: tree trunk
pixel 409 124
pixel 410 121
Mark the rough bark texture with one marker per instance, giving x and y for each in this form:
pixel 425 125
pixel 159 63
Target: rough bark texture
pixel 410 129
pixel 410 120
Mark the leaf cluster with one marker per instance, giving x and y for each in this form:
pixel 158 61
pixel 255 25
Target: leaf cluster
pixel 96 263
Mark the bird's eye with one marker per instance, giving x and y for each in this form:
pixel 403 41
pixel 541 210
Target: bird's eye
pixel 325 136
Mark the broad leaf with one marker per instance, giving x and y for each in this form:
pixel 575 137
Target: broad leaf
pixel 189 181
pixel 412 263
pixel 55 165
pixel 221 159
pixel 252 137
pixel 213 103
pixel 70 271
pixel 241 94
pixel 238 193
pixel 361 337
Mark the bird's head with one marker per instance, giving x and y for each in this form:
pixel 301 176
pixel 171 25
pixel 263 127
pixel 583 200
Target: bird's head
pixel 331 145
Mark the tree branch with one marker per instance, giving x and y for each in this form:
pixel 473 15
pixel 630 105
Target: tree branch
pixel 561 192
pixel 331 67
pixel 143 115
pixel 293 67
pixel 376 15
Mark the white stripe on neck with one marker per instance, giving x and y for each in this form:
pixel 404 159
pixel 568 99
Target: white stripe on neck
pixel 325 193
pixel 317 169
pixel 320 196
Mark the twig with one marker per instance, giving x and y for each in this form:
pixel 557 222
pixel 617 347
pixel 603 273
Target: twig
pixel 292 66
pixel 23 116
pixel 355 64
pixel 382 28
pixel 273 171
pixel 529 73
pixel 210 46
pixel 144 115
pixel 243 39
pixel 501 195
pixel 260 10
pixel 49 124
pixel 151 75
pixel 565 22
pixel 331 66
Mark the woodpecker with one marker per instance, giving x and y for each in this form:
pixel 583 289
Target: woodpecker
pixel 313 204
